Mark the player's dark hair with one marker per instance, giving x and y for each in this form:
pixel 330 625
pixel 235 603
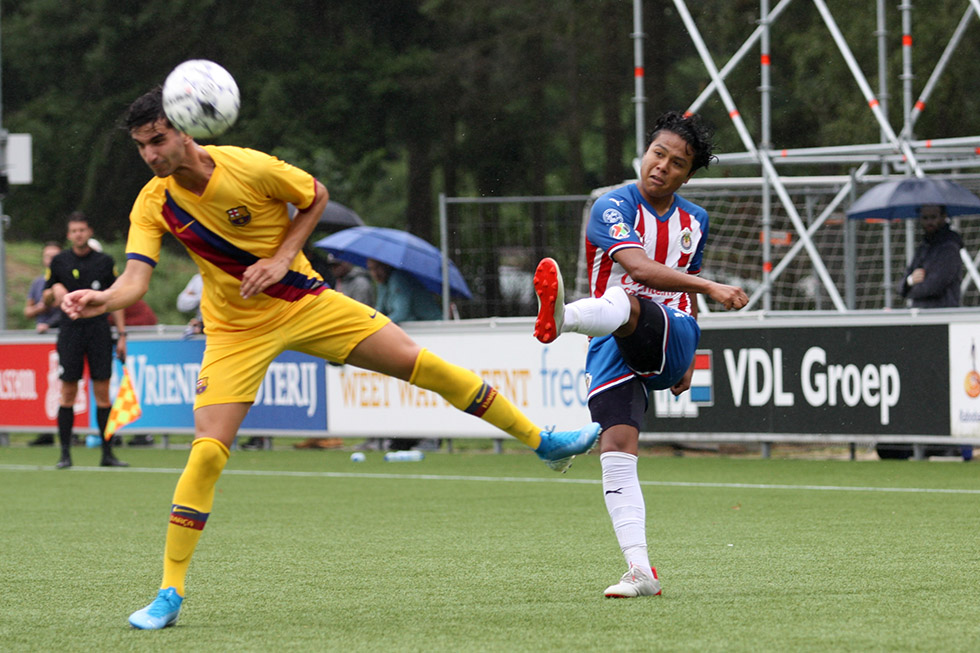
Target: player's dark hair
pixel 146 109
pixel 77 216
pixel 694 130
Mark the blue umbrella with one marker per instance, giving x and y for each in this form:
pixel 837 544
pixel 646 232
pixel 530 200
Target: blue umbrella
pixel 903 198
pixel 400 250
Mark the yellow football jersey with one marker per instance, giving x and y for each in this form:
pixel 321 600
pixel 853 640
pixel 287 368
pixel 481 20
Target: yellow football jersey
pixel 241 217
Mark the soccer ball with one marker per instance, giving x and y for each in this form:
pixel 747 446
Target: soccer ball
pixel 200 98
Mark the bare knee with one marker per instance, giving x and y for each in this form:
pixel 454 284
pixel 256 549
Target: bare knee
pixel 220 421
pixel 622 437
pixel 69 390
pixel 388 351
pixel 101 391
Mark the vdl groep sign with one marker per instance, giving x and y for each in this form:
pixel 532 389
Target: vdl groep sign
pixel 847 379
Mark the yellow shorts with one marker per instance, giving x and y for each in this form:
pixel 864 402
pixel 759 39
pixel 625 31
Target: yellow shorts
pixel 328 325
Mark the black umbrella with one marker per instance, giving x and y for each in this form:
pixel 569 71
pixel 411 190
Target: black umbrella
pixel 335 217
pixel 903 198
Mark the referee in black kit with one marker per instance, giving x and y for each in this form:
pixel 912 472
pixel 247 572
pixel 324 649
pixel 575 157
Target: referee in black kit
pixel 74 269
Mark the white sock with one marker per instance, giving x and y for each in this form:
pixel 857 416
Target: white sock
pixel 598 316
pixel 624 501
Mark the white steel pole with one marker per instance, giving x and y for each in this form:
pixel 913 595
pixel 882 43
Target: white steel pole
pixel 882 34
pixel 967 143
pixel 764 147
pixel 638 77
pixel 907 76
pixel 886 227
pixel 906 9
pixel 444 247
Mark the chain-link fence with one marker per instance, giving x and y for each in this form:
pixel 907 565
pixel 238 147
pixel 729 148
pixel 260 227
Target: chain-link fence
pixel 497 242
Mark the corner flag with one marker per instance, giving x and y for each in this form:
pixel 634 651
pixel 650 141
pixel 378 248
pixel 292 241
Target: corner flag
pixel 125 409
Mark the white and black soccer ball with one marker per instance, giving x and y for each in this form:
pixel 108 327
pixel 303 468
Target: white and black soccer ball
pixel 201 98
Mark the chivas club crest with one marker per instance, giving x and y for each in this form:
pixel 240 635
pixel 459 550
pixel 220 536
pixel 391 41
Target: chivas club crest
pixel 686 241
pixel 239 216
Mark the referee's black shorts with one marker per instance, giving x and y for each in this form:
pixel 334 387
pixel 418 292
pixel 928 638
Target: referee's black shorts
pixel 85 339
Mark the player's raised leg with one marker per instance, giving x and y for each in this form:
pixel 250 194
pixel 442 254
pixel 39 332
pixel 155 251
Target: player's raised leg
pixel 591 316
pixel 391 351
pixel 215 427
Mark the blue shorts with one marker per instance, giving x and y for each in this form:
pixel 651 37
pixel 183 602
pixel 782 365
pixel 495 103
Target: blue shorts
pixel 671 337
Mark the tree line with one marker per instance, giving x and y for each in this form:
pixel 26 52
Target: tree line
pixel 390 102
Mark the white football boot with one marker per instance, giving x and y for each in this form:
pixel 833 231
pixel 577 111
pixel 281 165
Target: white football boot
pixel 635 582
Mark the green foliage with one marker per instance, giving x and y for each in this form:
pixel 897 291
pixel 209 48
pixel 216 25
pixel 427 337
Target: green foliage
pixel 392 102
pixel 307 551
pixel 23 265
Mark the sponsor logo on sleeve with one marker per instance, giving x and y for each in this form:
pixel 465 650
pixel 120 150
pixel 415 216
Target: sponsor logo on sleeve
pixel 619 231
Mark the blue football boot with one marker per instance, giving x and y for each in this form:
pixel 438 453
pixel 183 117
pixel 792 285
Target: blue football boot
pixel 558 448
pixel 159 614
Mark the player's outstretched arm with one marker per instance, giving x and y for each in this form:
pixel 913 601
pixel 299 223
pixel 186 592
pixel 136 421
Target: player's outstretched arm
pixel 129 288
pixel 650 273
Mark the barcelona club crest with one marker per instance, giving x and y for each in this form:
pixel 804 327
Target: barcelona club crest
pixel 686 241
pixel 239 216
pixel 202 385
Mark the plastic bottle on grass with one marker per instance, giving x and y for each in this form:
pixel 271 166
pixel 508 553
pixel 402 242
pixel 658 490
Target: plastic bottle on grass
pixel 404 456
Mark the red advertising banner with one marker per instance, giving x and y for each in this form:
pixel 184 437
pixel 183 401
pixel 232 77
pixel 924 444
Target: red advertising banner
pixel 30 388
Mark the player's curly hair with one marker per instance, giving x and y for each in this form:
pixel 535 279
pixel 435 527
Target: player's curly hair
pixel 146 109
pixel 693 129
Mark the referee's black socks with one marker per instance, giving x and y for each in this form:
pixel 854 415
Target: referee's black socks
pixel 102 418
pixel 66 419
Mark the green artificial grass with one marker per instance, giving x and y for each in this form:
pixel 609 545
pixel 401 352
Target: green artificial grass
pixel 307 551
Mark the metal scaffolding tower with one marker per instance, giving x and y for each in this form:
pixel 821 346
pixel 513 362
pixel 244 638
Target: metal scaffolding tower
pixel 898 153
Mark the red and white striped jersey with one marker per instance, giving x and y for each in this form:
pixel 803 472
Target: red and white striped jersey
pixel 622 219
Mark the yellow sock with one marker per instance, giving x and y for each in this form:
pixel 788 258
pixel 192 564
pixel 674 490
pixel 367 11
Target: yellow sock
pixel 468 392
pixel 193 499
